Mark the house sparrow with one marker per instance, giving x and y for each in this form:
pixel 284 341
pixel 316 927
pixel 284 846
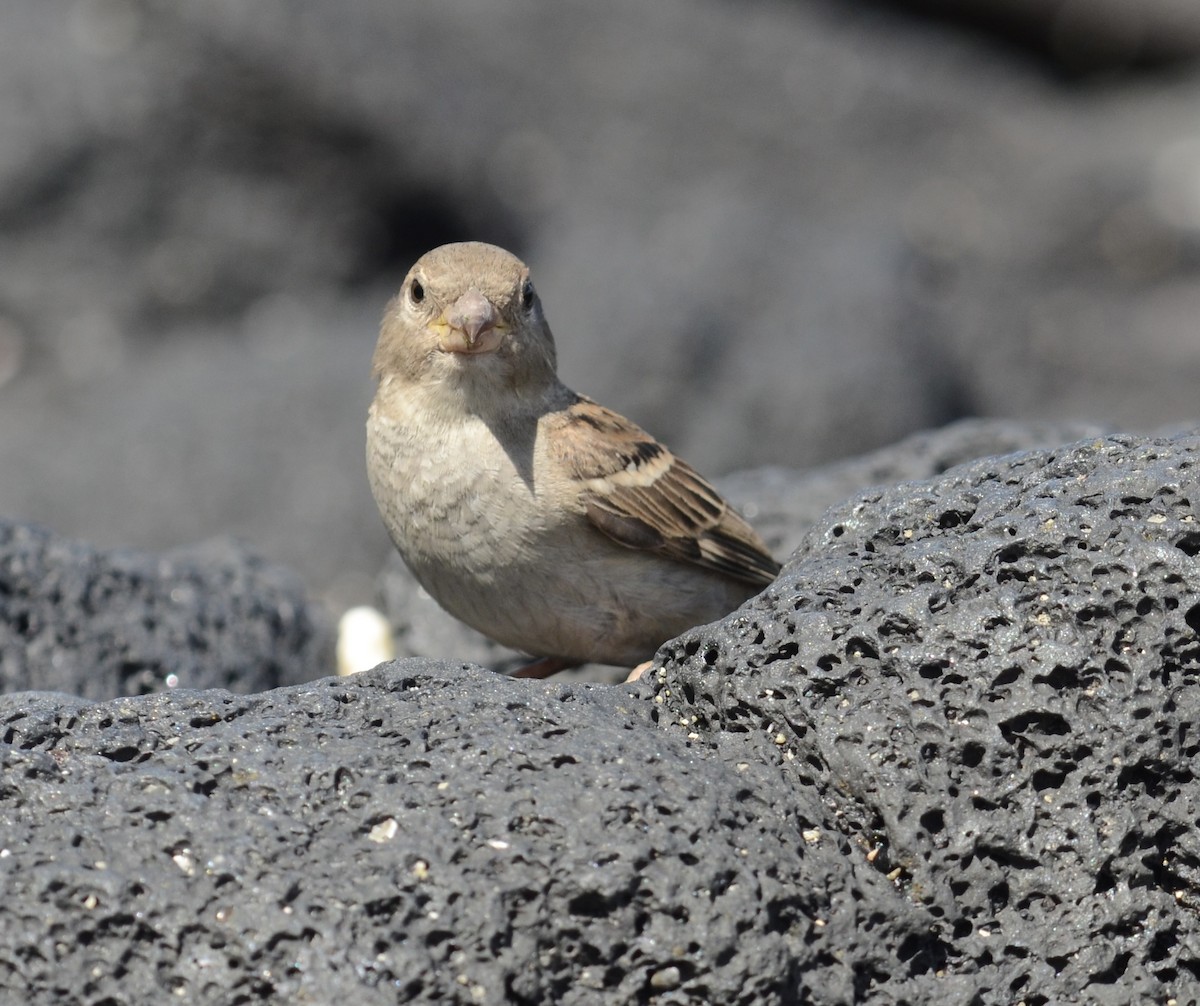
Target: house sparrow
pixel 544 520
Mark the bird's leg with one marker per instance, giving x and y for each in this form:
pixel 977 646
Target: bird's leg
pixel 544 667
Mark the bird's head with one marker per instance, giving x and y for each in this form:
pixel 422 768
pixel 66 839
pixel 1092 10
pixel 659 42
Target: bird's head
pixel 467 316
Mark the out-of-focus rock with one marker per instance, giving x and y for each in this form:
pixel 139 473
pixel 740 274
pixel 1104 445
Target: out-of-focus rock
pixel 100 624
pixel 774 234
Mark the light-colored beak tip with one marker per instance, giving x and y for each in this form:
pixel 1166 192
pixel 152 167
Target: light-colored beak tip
pixel 473 315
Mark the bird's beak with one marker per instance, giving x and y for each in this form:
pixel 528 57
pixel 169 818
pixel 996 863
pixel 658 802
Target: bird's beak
pixel 470 325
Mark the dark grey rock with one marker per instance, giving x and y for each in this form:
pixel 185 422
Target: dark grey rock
pixel 784 504
pixel 422 833
pixel 106 623
pixel 991 678
pixel 1103 38
pixel 946 758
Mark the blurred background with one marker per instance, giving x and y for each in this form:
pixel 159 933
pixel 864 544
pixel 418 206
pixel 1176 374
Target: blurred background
pixel 770 231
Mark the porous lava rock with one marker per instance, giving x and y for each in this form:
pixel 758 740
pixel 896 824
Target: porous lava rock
pixel 990 679
pixel 945 758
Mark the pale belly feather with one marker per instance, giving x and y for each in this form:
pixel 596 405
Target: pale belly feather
pixel 499 556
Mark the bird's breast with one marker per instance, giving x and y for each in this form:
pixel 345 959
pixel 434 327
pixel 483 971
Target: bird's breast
pixel 489 531
pixel 452 495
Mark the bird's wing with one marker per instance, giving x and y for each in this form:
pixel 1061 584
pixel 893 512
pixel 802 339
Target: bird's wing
pixel 640 495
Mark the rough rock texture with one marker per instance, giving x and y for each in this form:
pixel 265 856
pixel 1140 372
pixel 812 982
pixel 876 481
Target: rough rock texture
pixel 107 623
pixel 946 758
pixel 992 679
pixel 769 232
pixel 422 833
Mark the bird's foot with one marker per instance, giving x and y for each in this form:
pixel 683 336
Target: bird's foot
pixel 544 667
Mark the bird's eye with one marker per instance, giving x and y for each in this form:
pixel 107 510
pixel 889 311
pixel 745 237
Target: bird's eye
pixel 527 296
pixel 416 292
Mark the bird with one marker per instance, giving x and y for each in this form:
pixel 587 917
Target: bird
pixel 551 524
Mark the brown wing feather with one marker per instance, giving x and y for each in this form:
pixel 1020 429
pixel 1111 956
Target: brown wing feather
pixel 639 494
